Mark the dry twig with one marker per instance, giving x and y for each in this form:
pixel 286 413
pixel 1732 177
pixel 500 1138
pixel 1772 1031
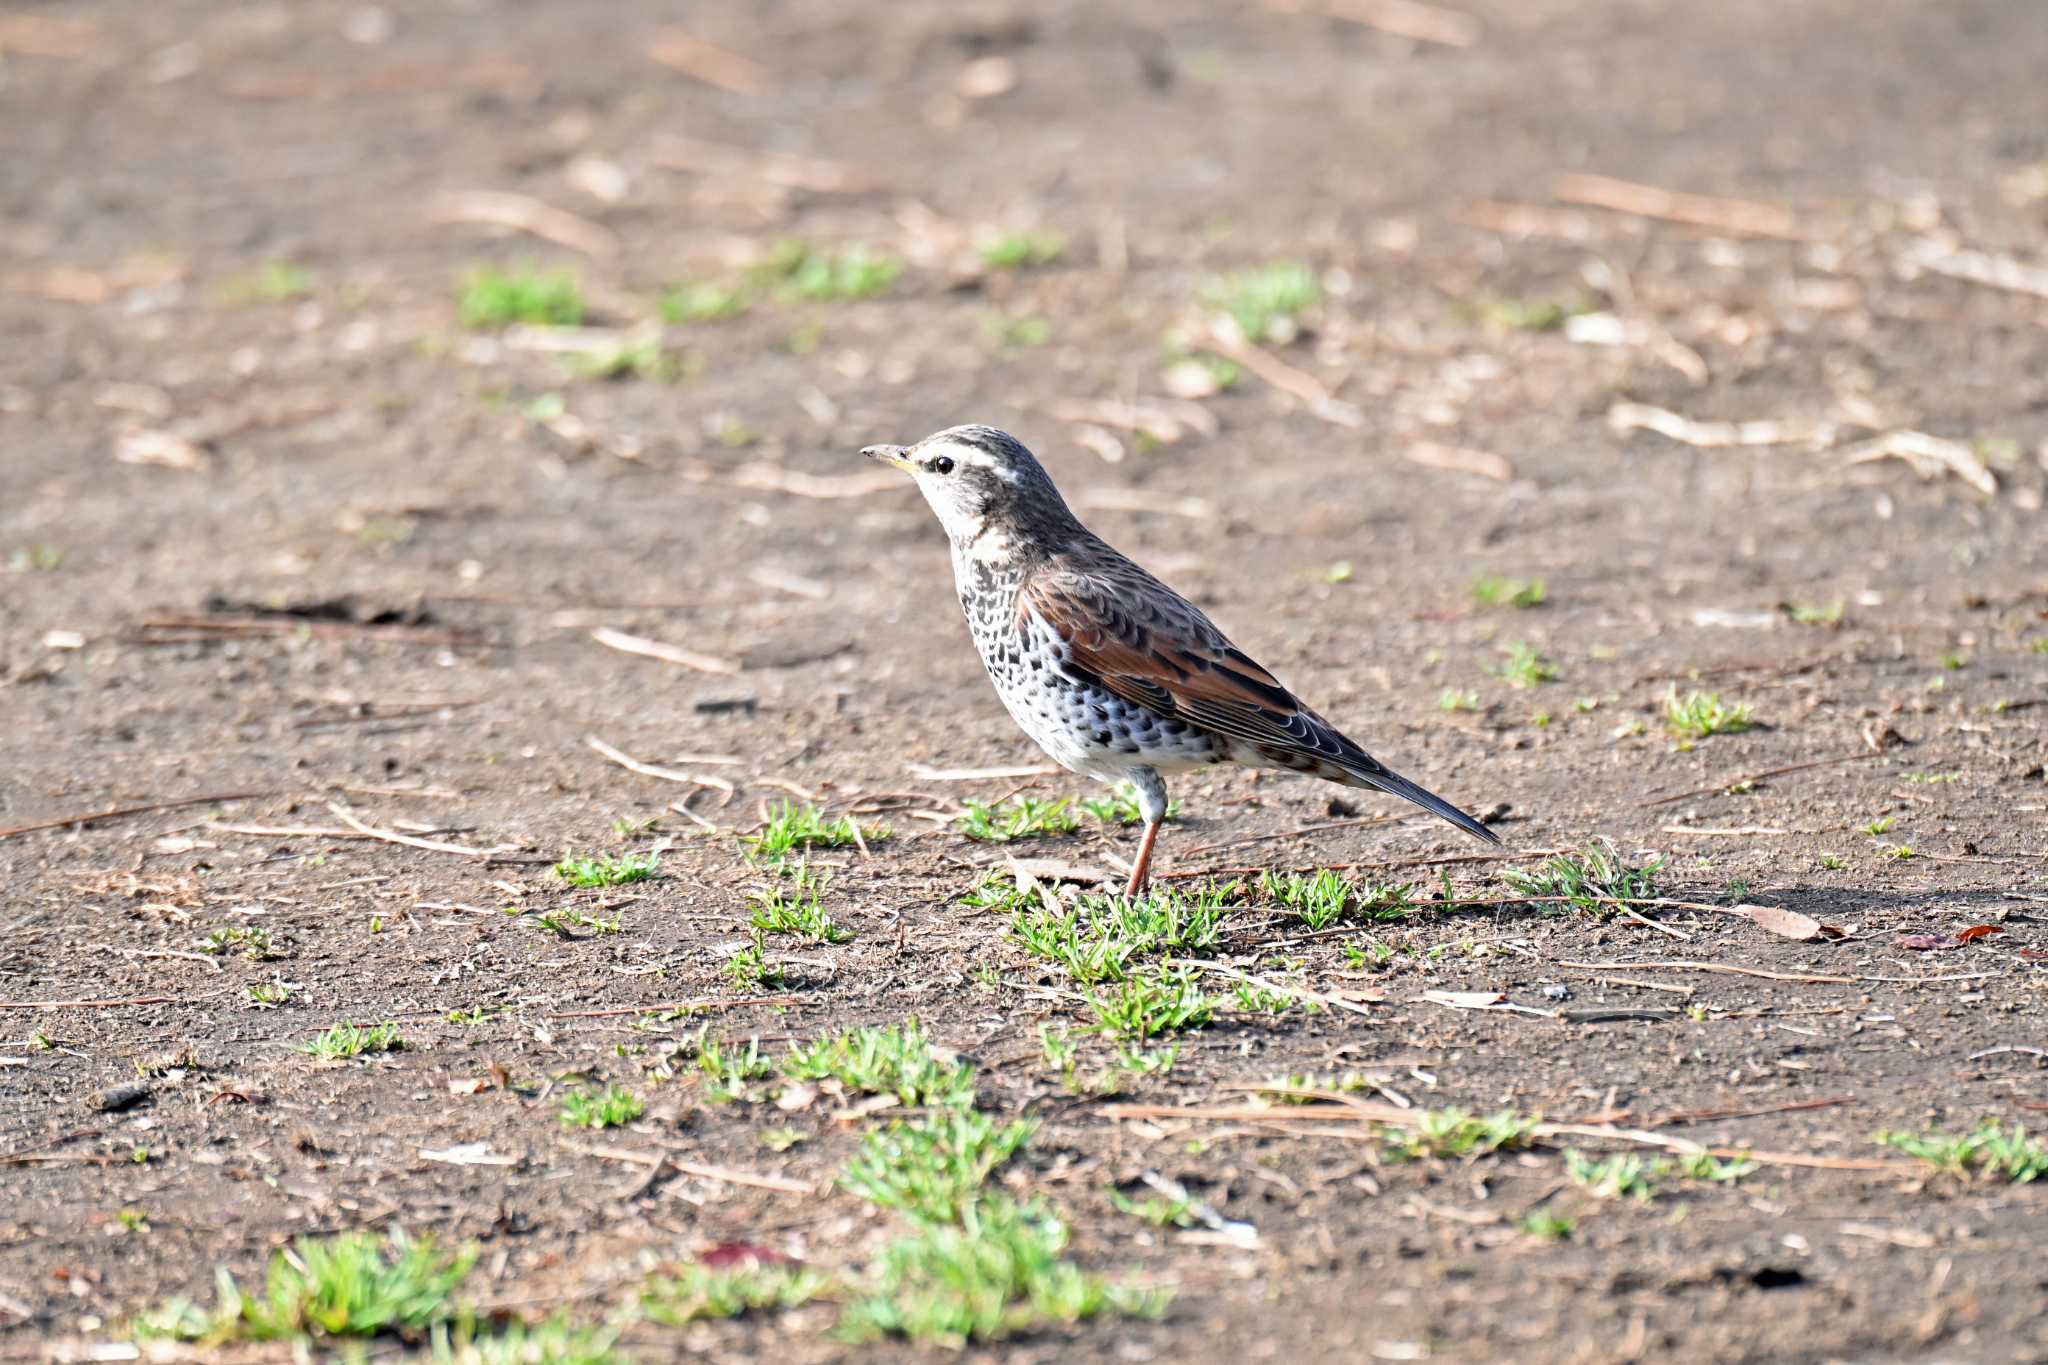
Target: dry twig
pixel 1737 217
pixel 710 63
pixel 524 213
pixel 655 649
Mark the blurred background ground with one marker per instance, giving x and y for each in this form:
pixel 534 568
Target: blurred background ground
pixel 278 526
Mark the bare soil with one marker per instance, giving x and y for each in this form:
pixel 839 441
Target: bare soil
pixel 348 448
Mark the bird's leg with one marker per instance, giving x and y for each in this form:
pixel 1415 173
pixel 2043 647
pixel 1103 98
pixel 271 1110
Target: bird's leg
pixel 1152 805
pixel 1141 870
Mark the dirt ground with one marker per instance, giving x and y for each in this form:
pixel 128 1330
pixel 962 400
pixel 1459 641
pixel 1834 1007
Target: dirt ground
pixel 236 385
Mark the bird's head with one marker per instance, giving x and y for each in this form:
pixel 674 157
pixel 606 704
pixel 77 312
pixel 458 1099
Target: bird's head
pixel 985 486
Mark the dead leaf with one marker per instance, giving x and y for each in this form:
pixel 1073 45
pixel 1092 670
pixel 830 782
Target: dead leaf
pixel 1466 1000
pixel 1788 923
pixel 1922 943
pixel 158 447
pixel 799 1096
pixel 2034 955
pixel 1977 931
pixel 473 1085
pixel 468 1154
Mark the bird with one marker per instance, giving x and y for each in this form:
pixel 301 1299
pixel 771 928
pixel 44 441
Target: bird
pixel 1115 675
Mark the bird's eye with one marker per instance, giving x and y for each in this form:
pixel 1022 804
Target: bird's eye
pixel 942 465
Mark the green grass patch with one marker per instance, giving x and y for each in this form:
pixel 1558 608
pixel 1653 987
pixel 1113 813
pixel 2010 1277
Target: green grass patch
pixel 605 870
pixel 559 1340
pixel 1017 250
pixel 1991 1152
pixel 797 271
pixel 703 301
pixel 894 1060
pixel 271 282
pixel 345 1042
pixel 1020 817
pixel 1325 897
pixel 728 1070
pixel 793 906
pixel 1266 303
pixel 1621 1176
pixel 750 969
pixel 1000 1273
pixel 1457 699
pixel 1100 938
pixel 1524 667
pixel 1587 881
pixel 612 1107
pixel 792 827
pixel 1455 1133
pixel 1149 1003
pixel 355 1285
pixel 1490 590
pixel 491 297
pixel 249 941
pixel 697 1291
pixel 932 1170
pixel 1699 714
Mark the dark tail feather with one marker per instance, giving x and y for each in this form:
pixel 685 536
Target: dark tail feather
pixel 1372 773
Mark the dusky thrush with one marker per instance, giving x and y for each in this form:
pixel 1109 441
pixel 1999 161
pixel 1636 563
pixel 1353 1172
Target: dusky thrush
pixel 1114 674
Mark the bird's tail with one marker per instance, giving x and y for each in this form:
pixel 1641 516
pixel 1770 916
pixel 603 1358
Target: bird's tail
pixel 1372 773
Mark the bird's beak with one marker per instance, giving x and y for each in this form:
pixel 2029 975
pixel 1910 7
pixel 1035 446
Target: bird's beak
pixel 895 455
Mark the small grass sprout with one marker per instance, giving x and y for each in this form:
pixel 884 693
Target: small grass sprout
pixel 1524 667
pixel 727 1070
pixel 932 1170
pixel 492 297
pixel 1491 590
pixel 251 941
pixel 605 870
pixel 1697 715
pixel 355 1285
pixel 612 1107
pixel 1457 699
pixel 793 906
pixel 698 1291
pixel 1267 303
pixel 798 271
pixel 1623 1175
pixel 893 1060
pixel 1020 817
pixel 703 301
pixel 1456 1133
pixel 1991 1152
pixel 1001 1273
pixel 1589 881
pixel 1017 250
pixel 1150 1003
pixel 345 1042
pixel 792 827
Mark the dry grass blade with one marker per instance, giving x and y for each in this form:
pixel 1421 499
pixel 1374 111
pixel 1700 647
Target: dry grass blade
pixel 655 649
pixel 1625 417
pixel 667 1006
pixel 116 812
pixel 1726 968
pixel 524 213
pixel 1930 456
pixel 1299 384
pixel 1268 984
pixel 710 63
pixel 347 817
pixel 87 1004
pixel 1976 267
pixel 1402 18
pixel 814 174
pixel 631 764
pixel 1737 217
pixel 1459 460
pixel 1166 421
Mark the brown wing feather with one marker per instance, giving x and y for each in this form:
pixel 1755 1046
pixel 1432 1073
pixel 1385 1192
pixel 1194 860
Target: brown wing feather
pixel 1138 639
pixel 1144 643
